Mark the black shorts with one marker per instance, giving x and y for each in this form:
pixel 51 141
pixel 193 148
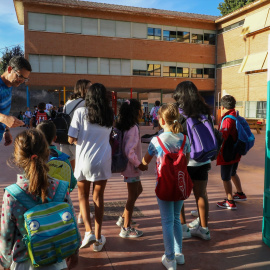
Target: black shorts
pixel 227 171
pixel 199 172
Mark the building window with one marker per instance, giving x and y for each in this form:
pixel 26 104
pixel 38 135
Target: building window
pixel 196 73
pixel 209 73
pixel 73 24
pixel 255 109
pixel 182 72
pixel 169 71
pixel 231 63
pixel 183 36
pixel 197 38
pixel 230 27
pixel 153 70
pixel 209 39
pixel 169 35
pixel 154 33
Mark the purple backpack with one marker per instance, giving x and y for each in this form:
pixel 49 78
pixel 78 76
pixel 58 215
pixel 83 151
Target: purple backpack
pixel 203 142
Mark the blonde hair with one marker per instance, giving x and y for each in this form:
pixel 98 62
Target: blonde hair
pixel 31 153
pixel 169 112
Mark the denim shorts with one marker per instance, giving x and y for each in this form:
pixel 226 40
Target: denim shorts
pixel 199 173
pixel 227 171
pixel 132 179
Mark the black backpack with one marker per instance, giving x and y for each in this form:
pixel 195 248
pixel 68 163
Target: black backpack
pixel 62 122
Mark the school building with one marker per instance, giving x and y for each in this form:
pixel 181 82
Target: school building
pixel 145 53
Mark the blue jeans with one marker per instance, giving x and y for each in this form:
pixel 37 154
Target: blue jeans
pixel 171 227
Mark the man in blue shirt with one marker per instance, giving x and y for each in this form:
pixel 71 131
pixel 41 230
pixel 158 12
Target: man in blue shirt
pixel 17 72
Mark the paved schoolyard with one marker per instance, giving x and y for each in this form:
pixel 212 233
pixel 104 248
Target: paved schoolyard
pixel 236 235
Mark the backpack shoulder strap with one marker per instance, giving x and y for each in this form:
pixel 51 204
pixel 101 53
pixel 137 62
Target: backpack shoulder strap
pixel 162 146
pixel 227 116
pixel 61 191
pixel 19 194
pixel 75 107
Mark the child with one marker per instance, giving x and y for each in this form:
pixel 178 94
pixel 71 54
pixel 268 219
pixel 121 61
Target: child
pixel 40 115
pixel 49 130
pixel 169 210
pixel 31 154
pixel 28 116
pixel 90 130
pixel 129 115
pixel 228 162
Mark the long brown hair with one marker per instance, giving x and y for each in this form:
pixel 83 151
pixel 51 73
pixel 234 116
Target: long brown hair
pixel 31 153
pixel 169 112
pixel 80 89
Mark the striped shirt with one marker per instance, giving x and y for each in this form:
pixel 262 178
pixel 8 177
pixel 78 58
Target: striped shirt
pixel 5 103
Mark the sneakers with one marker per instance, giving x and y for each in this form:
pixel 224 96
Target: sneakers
pixel 200 232
pixel 194 213
pixel 99 245
pixel 227 205
pixel 180 259
pixel 195 223
pixel 80 219
pixel 120 222
pixel 185 232
pixel 169 264
pixel 89 238
pixel 130 233
pixel 239 198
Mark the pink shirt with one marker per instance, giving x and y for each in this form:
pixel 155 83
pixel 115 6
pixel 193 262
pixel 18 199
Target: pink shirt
pixel 133 150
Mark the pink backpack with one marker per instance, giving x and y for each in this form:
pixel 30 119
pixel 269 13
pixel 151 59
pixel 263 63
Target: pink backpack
pixel 155 113
pixel 173 181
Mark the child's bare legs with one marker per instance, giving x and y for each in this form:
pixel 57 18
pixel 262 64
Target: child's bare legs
pixel 83 193
pixel 237 183
pixel 200 193
pixel 134 191
pixel 98 199
pixel 228 189
pixel 182 215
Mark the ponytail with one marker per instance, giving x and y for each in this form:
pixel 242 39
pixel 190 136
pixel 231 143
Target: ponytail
pixel 31 153
pixel 170 113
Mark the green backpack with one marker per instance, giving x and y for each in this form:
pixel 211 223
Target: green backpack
pixel 52 232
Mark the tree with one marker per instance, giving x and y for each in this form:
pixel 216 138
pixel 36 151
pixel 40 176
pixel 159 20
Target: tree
pixel 8 54
pixel 229 6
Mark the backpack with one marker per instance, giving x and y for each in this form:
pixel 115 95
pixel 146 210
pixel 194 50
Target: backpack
pixel 245 139
pixel 41 117
pixel 52 232
pixel 173 180
pixel 119 159
pixel 60 169
pixel 203 142
pixel 155 113
pixel 62 122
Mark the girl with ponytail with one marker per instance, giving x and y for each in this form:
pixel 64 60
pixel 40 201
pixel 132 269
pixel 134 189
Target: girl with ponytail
pixel 31 153
pixel 172 138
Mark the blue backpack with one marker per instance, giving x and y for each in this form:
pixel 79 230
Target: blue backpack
pixel 246 139
pixel 51 229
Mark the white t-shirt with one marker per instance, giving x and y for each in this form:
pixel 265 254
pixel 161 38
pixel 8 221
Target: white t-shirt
pixel 70 104
pixel 93 150
pixel 28 114
pixel 49 106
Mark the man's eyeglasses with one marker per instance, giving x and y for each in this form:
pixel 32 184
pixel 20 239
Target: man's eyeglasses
pixel 19 76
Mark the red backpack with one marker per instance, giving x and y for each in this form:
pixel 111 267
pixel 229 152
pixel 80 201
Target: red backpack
pixel 41 117
pixel 173 181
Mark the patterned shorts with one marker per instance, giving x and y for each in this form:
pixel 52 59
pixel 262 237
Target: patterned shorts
pixel 132 179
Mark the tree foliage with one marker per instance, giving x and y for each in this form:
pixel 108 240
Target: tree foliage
pixel 8 54
pixel 229 6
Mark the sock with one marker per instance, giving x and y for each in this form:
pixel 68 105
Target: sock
pixel 88 233
pixel 205 228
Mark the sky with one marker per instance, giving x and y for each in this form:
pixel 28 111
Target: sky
pixel 11 33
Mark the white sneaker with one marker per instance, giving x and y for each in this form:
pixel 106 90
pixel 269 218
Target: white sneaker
pixel 180 258
pixel 195 223
pixel 169 264
pixel 120 222
pixel 185 232
pixel 201 232
pixel 89 238
pixel 194 213
pixel 99 245
pixel 80 219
